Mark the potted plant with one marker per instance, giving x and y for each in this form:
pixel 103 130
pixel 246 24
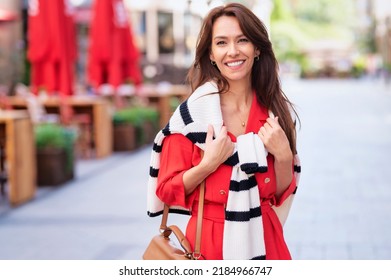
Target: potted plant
pixel 55 154
pixel 150 117
pixel 124 129
pixel 133 127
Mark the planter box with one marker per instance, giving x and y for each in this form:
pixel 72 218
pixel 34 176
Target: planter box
pixel 124 137
pixel 149 132
pixel 53 168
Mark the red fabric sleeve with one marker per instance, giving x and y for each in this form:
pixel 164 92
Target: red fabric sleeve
pixel 289 190
pixel 175 159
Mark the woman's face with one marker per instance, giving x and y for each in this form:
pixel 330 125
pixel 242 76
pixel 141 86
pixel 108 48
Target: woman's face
pixel 233 53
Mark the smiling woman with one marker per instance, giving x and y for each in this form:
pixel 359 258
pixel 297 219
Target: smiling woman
pixel 236 132
pixel 232 52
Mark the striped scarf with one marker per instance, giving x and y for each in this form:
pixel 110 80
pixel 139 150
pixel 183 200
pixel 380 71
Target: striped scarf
pixel 243 228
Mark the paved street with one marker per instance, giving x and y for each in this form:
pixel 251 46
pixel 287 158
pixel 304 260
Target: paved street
pixel 342 209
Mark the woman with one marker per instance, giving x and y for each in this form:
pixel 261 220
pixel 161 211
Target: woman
pixel 248 154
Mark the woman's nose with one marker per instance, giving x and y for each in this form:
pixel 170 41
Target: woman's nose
pixel 233 50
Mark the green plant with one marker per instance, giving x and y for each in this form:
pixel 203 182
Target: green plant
pixel 150 114
pixel 55 136
pixel 127 116
pixel 174 103
pixel 137 116
pixel 151 121
pixel 358 68
pixel 49 136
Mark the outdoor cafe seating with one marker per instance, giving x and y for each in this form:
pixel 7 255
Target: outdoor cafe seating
pixel 39 114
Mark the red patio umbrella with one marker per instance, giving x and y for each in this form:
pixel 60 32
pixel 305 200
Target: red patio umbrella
pixel 113 56
pixel 51 46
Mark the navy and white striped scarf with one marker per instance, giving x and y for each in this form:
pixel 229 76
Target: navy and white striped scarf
pixel 243 228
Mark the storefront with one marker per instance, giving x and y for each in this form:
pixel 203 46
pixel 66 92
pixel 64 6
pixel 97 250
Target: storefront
pixel 165 32
pixel 11 45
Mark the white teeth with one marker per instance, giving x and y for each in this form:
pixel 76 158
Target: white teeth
pixel 236 63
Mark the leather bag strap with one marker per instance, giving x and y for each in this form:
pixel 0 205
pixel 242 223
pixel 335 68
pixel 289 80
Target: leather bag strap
pixel 197 245
pixel 163 224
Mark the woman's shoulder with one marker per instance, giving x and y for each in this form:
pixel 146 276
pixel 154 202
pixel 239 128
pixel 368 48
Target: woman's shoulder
pixel 177 140
pixel 204 89
pixel 177 145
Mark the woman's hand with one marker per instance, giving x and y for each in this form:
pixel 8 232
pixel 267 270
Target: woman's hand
pixel 275 140
pixel 217 150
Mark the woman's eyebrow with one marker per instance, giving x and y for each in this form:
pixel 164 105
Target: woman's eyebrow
pixel 225 37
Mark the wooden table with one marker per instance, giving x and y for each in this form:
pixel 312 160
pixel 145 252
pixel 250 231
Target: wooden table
pixel 17 131
pixel 97 108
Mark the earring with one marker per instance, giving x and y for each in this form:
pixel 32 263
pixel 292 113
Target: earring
pixel 256 58
pixel 213 63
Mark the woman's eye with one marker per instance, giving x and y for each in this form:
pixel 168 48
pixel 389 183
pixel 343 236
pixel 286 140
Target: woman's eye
pixel 220 43
pixel 243 40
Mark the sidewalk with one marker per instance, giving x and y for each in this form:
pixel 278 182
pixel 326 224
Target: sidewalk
pixel 100 215
pixel 343 206
pixel 342 209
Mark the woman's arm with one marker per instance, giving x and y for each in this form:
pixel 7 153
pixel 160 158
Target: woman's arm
pixel 276 142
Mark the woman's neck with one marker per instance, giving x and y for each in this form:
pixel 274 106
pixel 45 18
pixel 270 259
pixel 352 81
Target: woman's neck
pixel 238 97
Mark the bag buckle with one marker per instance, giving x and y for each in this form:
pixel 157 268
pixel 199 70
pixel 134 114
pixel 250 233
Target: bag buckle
pixel 165 232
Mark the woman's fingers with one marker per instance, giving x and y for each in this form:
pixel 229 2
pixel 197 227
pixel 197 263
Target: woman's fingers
pixel 209 134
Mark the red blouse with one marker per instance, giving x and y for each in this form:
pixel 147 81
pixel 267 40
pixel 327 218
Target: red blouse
pixel 180 154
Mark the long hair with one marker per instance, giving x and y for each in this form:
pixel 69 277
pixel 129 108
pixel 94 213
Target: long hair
pixel 264 77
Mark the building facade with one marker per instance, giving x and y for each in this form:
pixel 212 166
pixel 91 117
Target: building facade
pixel 11 45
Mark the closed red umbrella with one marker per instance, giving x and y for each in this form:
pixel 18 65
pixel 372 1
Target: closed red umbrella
pixel 38 42
pixel 113 56
pixel 51 46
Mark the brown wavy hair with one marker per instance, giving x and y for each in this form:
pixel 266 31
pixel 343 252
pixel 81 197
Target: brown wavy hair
pixel 264 78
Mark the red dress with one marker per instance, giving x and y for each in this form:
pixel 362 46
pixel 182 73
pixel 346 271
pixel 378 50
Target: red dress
pixel 180 154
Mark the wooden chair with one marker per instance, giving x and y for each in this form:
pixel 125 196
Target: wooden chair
pixel 82 122
pixel 3 170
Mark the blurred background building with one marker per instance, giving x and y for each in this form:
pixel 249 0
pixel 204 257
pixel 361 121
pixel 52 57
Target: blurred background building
pixel 11 44
pixel 337 38
pixel 374 33
pixel 165 32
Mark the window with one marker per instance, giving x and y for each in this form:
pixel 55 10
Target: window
pixel 166 34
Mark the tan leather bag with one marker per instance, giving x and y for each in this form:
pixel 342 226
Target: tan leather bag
pixel 164 247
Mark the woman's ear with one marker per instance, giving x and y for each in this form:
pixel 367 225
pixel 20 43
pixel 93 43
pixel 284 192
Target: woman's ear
pixel 257 52
pixel 211 57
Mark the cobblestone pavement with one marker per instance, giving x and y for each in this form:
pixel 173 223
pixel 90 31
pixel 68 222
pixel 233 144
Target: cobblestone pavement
pixel 342 209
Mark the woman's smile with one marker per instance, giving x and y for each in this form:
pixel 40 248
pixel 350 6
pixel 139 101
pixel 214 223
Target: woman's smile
pixel 235 64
